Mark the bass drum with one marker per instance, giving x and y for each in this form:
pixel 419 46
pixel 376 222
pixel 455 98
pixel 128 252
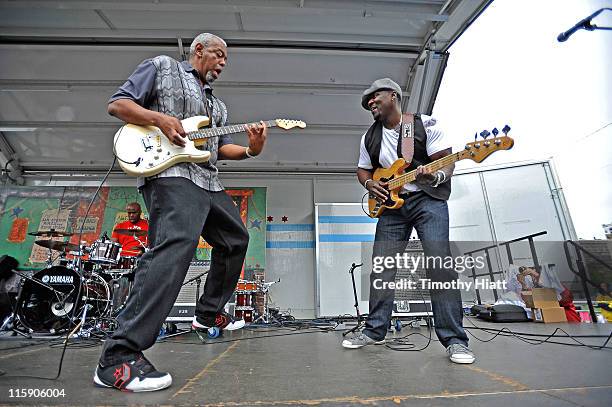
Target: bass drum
pixel 49 298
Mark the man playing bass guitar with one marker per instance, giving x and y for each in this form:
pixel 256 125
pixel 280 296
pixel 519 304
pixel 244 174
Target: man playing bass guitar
pixel 419 140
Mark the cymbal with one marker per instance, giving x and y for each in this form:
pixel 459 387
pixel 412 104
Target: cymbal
pixel 130 232
pixel 55 245
pixel 50 233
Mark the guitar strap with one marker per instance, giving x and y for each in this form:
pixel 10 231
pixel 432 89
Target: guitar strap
pixel 405 144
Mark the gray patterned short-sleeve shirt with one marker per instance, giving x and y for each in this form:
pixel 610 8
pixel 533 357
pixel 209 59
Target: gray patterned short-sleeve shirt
pixel 165 85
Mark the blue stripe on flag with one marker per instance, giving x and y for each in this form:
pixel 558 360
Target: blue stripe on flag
pixel 290 244
pixel 346 238
pixel 346 219
pixel 295 227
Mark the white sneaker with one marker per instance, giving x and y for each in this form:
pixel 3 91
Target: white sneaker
pixel 360 340
pixel 137 375
pixel 223 321
pixel 460 353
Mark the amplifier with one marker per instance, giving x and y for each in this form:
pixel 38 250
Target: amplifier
pixel 412 302
pixel 183 309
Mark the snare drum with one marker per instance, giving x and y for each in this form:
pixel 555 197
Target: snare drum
pixel 125 265
pixel 105 252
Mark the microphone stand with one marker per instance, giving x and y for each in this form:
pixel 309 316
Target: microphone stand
pixel 359 321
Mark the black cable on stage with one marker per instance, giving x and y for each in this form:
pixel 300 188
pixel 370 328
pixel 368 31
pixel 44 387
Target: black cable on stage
pixel 213 342
pixel 65 344
pixel 504 331
pixel 508 333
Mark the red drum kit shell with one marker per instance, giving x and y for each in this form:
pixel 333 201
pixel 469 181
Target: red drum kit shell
pixel 92 286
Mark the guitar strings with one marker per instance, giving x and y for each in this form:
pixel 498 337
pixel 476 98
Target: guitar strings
pixel 219 131
pixel 408 177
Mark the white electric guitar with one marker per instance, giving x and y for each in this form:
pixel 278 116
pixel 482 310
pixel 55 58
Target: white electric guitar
pixel 145 151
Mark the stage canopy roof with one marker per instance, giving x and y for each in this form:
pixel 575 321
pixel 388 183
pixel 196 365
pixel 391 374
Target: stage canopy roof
pixel 299 59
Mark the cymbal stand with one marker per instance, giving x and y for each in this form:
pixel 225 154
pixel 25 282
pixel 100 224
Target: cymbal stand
pixel 50 259
pixel 265 317
pixel 84 333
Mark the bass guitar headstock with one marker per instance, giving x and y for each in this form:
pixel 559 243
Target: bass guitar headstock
pixel 479 150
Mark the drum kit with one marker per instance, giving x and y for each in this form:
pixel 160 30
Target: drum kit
pixel 83 283
pixel 252 301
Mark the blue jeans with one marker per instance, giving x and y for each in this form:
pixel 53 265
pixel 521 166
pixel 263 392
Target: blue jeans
pixel 429 216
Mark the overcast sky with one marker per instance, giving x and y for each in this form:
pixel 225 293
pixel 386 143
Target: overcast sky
pixel 509 68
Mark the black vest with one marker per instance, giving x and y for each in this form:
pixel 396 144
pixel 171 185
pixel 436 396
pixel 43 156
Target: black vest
pixel 373 142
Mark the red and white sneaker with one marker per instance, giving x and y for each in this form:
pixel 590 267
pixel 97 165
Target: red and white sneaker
pixel 223 321
pixel 135 376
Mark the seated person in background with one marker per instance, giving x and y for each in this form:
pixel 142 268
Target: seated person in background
pixel 527 284
pixel 531 272
pixel 131 234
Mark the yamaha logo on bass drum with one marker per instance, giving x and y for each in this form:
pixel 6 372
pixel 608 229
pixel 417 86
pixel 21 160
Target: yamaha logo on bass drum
pixel 58 279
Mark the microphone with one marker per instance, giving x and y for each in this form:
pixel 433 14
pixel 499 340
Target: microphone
pixel 585 24
pixel 582 24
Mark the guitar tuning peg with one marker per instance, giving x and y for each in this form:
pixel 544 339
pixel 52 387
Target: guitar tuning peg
pixel 484 134
pixel 495 132
pixel 475 136
pixel 506 129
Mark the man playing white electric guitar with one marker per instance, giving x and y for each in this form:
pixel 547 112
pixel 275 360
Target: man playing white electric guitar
pixel 184 201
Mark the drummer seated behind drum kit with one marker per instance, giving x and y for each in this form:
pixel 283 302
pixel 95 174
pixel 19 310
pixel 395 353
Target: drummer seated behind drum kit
pixel 92 285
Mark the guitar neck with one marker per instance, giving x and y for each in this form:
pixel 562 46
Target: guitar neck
pixel 221 131
pixel 432 166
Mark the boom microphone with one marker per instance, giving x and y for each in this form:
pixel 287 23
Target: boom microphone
pixel 582 24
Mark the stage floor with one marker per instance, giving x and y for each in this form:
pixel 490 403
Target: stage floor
pixel 310 367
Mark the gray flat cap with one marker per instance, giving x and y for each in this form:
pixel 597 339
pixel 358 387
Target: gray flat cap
pixel 380 84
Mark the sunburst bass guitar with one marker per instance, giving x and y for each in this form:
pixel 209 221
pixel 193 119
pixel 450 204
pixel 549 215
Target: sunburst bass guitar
pixel 145 151
pixel 397 178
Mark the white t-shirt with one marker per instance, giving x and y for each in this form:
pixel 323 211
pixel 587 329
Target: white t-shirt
pixel 436 141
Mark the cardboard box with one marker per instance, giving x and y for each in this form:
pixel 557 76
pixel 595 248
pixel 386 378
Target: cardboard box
pixel 549 315
pixel 540 298
pixel 528 298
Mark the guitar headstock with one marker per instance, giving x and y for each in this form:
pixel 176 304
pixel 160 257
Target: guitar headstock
pixel 479 150
pixel 289 124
